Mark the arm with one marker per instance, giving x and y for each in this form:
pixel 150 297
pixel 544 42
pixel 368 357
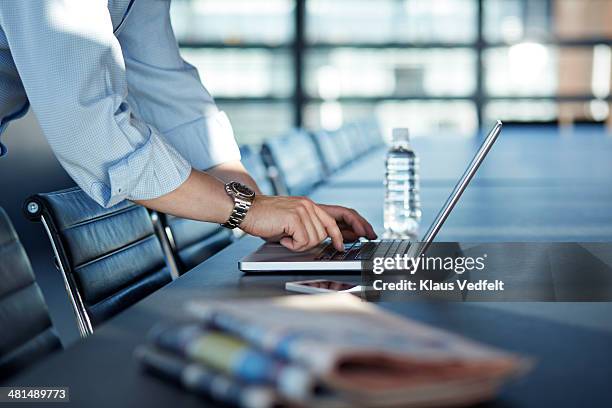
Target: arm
pixel 72 69
pixel 170 95
pixel 352 225
pixel 234 171
pixel 296 222
pixel 80 96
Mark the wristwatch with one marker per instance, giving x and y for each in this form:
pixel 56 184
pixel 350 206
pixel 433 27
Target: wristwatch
pixel 243 199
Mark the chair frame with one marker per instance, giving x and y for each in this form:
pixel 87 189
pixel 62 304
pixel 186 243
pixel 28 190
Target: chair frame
pixel 34 211
pixel 83 321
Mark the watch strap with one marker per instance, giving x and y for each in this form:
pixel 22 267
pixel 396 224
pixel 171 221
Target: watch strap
pixel 242 204
pixel 241 207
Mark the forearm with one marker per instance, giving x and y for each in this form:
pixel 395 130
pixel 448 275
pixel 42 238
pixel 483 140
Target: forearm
pixel 201 197
pixel 296 222
pixel 234 171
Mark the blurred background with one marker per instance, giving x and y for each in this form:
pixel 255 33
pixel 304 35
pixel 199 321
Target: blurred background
pixel 441 67
pixel 438 65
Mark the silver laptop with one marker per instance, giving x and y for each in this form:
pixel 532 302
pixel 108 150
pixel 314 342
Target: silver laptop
pixel 274 257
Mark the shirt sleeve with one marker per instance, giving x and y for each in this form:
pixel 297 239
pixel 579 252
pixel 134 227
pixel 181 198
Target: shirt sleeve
pixel 167 91
pixel 72 69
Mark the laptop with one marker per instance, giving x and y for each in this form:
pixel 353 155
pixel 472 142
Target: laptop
pixel 273 257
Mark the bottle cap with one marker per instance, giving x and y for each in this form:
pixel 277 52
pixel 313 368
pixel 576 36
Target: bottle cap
pixel 401 135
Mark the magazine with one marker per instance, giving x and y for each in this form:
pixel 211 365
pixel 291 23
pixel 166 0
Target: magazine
pixel 368 356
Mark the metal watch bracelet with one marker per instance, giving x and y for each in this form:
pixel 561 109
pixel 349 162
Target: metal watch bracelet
pixel 243 198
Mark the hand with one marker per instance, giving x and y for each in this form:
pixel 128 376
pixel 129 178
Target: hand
pixel 296 222
pixel 352 225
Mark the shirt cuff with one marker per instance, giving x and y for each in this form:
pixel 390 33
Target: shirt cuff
pixel 205 142
pixel 152 170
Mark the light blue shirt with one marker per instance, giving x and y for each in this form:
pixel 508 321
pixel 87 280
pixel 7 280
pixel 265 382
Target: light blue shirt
pixel 124 114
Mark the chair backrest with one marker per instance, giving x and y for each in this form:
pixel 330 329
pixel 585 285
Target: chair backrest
pixel 26 330
pixel 331 156
pixel 342 142
pixel 252 161
pixel 295 157
pixel 192 242
pixel 371 132
pixel 110 258
pixel 356 139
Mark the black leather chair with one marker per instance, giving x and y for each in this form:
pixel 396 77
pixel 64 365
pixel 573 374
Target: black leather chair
pixel 344 144
pixel 354 134
pixel 256 167
pixel 294 156
pixel 110 258
pixel 328 150
pixel 371 133
pixel 26 332
pixel 192 242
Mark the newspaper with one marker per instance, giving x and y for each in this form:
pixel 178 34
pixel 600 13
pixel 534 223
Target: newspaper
pixel 368 356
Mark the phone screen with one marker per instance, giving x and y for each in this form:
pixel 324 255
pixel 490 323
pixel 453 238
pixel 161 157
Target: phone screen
pixel 327 284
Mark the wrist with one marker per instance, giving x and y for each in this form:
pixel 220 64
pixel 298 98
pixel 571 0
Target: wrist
pixel 242 197
pixel 249 220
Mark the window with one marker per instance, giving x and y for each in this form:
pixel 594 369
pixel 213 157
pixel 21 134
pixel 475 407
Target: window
pixel 431 117
pixel 390 21
pixel 241 49
pixel 525 69
pixel 341 72
pixel 419 61
pixel 255 121
pixel 239 73
pixel 233 21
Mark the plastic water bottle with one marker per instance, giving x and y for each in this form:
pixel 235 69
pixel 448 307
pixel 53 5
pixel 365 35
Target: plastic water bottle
pixel 402 211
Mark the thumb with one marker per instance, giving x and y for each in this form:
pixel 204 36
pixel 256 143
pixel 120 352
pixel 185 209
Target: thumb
pixel 287 242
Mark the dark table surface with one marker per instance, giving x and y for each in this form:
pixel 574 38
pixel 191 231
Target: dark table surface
pixel 571 342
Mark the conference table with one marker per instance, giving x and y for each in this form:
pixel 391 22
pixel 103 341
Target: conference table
pixel 571 343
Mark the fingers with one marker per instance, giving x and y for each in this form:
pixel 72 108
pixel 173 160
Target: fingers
pixel 299 224
pixel 307 229
pixel 349 235
pixel 321 234
pixel 296 238
pixel 331 227
pixel 370 234
pixel 311 229
pixel 351 219
pixel 288 243
pixel 360 226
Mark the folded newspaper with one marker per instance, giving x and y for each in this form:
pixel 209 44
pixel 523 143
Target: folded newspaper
pixel 325 350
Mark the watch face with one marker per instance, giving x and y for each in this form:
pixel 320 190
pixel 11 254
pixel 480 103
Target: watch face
pixel 242 190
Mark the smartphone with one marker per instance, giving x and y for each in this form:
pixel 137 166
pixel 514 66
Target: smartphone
pixel 322 286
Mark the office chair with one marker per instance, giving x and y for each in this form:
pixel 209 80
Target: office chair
pixel 192 242
pixel 256 167
pixel 109 258
pixel 355 136
pixel 328 150
pixel 342 140
pixel 371 133
pixel 25 326
pixel 294 156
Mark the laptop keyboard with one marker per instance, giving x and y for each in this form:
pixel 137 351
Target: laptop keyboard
pixel 363 250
